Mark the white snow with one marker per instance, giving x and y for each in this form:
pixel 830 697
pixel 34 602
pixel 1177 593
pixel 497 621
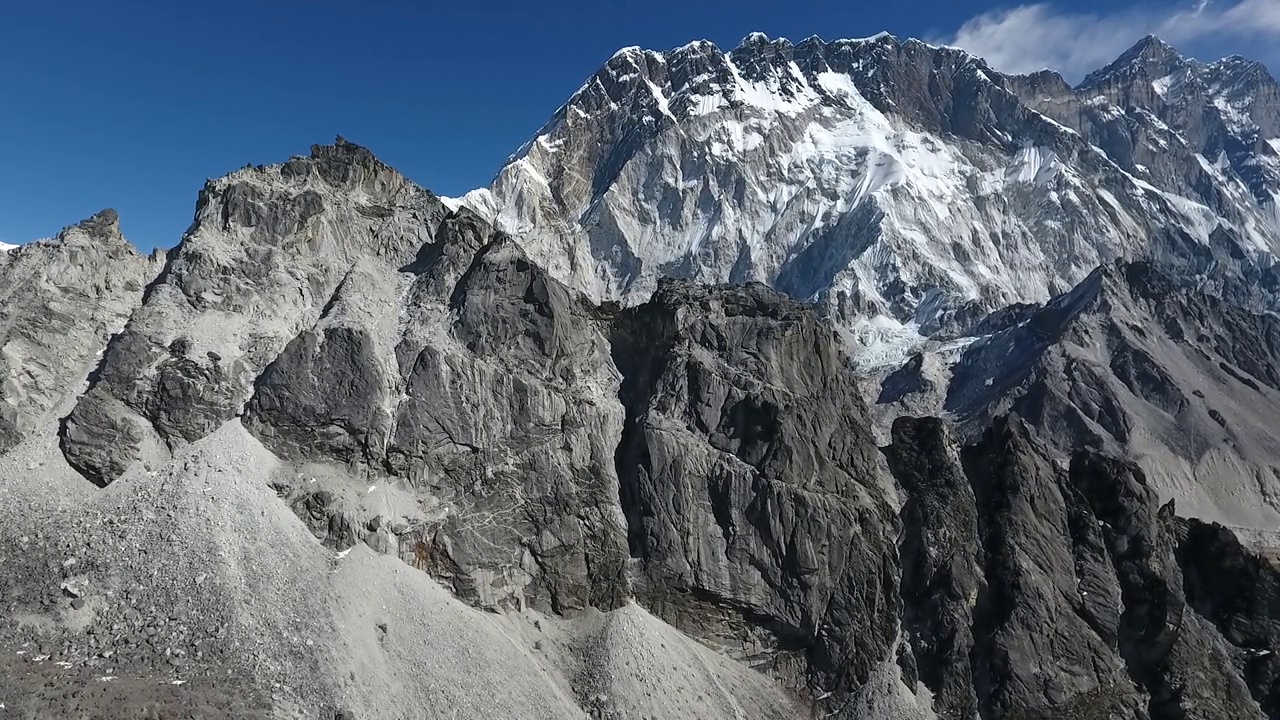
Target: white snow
pixel 1162 85
pixel 1236 115
pixel 1104 107
pixel 663 105
pixel 1038 165
pixel 881 342
pixel 696 45
pixel 838 84
pixel 768 94
pixel 732 139
pixel 629 51
pixel 1271 212
pixel 705 104
pixel 6 247
pixel 808 165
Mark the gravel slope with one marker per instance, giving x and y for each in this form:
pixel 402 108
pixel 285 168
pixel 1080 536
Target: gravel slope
pixel 191 590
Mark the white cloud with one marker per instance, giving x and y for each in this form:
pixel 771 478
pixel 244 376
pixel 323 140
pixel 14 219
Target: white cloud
pixel 1032 37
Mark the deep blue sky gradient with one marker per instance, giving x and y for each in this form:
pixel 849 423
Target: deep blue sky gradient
pixel 132 105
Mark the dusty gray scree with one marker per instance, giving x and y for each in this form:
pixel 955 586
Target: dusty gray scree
pixel 848 379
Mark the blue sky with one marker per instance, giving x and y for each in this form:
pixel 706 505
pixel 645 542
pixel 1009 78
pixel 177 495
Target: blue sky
pixel 133 105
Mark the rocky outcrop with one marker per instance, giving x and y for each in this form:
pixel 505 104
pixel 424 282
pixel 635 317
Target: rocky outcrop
pixel 60 301
pixel 942 563
pixel 509 415
pixel 269 248
pixel 753 497
pixel 1132 362
pixel 1031 589
pixel 1237 591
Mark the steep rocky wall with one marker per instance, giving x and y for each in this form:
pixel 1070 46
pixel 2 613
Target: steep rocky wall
pixel 1037 589
pixel 750 482
pixel 267 251
pixel 60 301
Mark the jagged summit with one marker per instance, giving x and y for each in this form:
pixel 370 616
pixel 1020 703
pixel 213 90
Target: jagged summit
pixel 784 169
pixel 758 39
pixel 103 224
pixel 1150 56
pixel 101 229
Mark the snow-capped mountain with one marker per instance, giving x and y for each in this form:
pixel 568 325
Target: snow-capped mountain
pixel 1206 131
pixel 903 187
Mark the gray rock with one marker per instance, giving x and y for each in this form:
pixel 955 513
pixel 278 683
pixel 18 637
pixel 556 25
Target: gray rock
pixel 942 562
pixel 750 483
pixel 64 298
pixel 269 250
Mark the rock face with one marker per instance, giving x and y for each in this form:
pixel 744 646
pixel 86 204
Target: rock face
pixel 60 301
pixel 750 482
pixel 491 398
pixel 267 252
pixel 1133 363
pixel 1032 589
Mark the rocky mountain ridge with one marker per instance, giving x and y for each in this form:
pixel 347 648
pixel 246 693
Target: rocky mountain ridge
pixel 829 170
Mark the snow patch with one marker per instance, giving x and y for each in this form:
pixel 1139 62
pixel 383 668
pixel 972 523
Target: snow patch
pixel 733 139
pixel 768 94
pixel 1236 115
pixel 1271 212
pixel 881 342
pixel 1104 107
pixel 663 105
pixel 1037 164
pixel 628 51
pixel 838 84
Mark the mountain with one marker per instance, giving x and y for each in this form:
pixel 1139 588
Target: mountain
pixel 904 188
pixel 847 379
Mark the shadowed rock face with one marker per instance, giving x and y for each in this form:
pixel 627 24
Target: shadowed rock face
pixel 749 480
pixel 1034 589
pixel 1239 593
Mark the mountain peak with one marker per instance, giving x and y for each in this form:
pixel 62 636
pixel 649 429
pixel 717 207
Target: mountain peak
pixel 1151 55
pixel 759 40
pixel 345 163
pixel 1239 69
pixel 102 225
pixel 1152 45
